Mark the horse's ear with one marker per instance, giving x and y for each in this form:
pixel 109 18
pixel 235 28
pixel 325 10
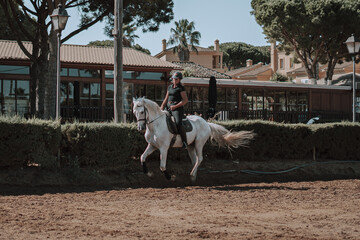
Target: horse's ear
pixel 134 99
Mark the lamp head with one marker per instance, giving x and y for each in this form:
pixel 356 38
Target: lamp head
pixel 59 18
pixel 353 45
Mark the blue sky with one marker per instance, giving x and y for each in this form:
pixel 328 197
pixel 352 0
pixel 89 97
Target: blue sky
pixel 226 20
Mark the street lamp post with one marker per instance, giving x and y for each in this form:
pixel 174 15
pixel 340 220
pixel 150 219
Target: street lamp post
pixel 59 19
pixel 353 45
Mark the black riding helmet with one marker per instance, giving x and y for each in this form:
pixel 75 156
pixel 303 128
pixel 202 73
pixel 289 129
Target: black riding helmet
pixel 177 75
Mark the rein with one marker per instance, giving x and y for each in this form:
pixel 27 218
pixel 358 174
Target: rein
pixel 147 121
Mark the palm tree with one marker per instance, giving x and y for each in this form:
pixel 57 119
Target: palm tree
pixel 183 36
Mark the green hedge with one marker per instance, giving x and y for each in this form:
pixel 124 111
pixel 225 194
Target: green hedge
pixel 24 142
pixel 120 145
pixel 274 140
pixel 100 144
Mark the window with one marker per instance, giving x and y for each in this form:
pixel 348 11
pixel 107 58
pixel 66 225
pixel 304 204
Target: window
pixel 9 98
pixel 95 95
pixel 14 97
pixel 281 63
pixel 197 96
pixel 221 99
pixel 22 97
pixel 126 74
pixel 247 99
pixel 231 98
pixel 137 75
pixel 87 73
pixel 90 94
pixel 160 92
pixel 127 96
pixel 9 69
pixel 303 101
pixel 109 95
pixel 291 62
pixel 279 101
pixel 292 101
pixel 84 94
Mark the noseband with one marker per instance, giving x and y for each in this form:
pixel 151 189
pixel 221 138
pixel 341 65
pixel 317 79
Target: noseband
pixel 143 119
pixel 147 122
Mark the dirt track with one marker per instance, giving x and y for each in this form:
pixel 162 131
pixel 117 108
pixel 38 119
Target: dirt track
pixel 294 210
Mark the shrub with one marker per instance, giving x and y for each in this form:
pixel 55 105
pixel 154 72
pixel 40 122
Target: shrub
pixel 24 142
pixel 100 144
pixel 277 77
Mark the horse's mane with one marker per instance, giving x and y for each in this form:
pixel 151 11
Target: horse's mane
pixel 151 105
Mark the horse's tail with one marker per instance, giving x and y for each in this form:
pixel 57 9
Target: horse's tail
pixel 228 139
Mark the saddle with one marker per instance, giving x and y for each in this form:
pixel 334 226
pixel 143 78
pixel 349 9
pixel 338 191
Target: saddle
pixel 172 126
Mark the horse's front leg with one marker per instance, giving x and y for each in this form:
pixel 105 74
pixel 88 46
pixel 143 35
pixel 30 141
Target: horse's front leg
pixel 163 157
pixel 149 149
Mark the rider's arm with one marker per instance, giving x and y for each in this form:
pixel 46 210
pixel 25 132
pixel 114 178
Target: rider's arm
pixel 184 100
pixel 165 101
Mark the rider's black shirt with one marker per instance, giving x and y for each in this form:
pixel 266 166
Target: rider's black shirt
pixel 174 93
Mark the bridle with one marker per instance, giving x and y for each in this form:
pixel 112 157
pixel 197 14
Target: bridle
pixel 147 122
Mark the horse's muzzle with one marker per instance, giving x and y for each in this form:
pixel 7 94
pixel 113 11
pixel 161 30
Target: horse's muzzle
pixel 141 127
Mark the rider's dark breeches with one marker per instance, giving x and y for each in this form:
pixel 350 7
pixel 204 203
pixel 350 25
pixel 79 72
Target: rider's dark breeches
pixel 178 115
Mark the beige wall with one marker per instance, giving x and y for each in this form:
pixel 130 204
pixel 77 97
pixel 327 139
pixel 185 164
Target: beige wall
pixel 285 60
pixel 203 58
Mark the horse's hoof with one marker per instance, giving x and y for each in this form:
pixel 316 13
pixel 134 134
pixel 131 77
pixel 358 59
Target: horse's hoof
pixel 193 179
pixel 173 178
pixel 150 174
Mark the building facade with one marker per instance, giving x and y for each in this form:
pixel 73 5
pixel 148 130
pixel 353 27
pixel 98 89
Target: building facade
pixel 87 88
pixel 210 58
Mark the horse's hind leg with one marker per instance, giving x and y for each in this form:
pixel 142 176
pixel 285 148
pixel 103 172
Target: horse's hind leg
pixel 192 155
pixel 149 149
pixel 198 148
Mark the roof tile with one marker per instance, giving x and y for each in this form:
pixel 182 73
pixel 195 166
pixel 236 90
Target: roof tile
pixel 10 50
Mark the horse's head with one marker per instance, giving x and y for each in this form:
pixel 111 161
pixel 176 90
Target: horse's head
pixel 139 111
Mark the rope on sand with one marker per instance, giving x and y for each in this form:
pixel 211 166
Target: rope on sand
pixel 254 172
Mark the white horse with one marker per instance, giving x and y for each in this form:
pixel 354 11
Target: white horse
pixel 152 119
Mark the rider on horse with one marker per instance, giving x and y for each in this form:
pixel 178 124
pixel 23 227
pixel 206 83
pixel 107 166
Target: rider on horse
pixel 175 99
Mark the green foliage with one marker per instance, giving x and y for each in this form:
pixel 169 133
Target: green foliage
pixel 145 14
pixel 119 146
pixel 141 49
pixel 337 140
pixel 236 54
pixel 138 13
pixel 110 43
pixel 315 29
pixel 184 37
pixel 103 43
pixel 24 142
pixel 188 72
pixel 99 144
pixel 6 32
pixel 277 77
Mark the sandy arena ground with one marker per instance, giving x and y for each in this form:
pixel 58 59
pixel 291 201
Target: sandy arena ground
pixel 293 210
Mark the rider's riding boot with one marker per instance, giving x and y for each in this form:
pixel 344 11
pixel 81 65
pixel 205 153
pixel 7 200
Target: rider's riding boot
pixel 182 133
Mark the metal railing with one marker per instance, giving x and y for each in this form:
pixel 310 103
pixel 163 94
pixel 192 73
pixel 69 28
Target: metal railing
pixel 99 114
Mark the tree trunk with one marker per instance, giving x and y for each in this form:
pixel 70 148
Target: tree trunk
pixel 40 88
pixel 331 68
pixel 184 54
pixel 51 85
pixel 33 80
